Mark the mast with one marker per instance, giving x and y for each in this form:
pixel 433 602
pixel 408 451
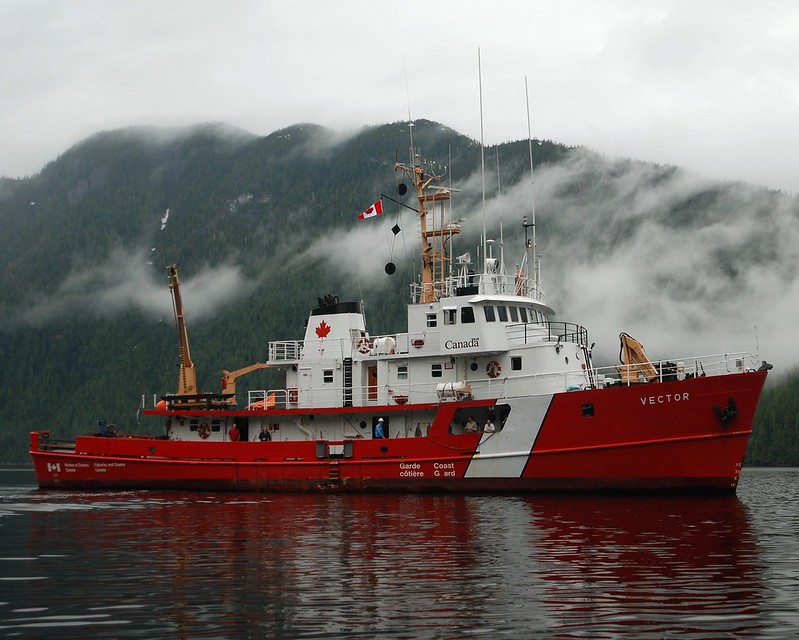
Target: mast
pixel 482 147
pixel 434 232
pixel 187 378
pixel 530 245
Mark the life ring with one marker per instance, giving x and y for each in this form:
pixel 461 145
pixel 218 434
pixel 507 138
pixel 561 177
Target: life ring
pixel 493 369
pixel 204 430
pixel 364 346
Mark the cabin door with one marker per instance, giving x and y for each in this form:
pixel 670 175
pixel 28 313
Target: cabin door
pixel 371 376
pixel 244 428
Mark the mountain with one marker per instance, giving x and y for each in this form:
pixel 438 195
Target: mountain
pixel 262 226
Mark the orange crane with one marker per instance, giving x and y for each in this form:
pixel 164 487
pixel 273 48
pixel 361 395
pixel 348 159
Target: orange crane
pixel 187 393
pixel 635 361
pixel 229 379
pixel 187 377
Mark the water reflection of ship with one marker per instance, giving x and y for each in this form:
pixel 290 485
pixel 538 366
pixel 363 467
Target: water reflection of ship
pixel 294 561
pixel 331 563
pixel 690 563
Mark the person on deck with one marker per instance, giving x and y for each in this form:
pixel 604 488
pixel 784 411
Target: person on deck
pixel 379 433
pixel 489 426
pixel 264 436
pixel 471 426
pixel 234 434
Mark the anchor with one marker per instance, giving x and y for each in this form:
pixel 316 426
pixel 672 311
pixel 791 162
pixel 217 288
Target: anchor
pixel 726 414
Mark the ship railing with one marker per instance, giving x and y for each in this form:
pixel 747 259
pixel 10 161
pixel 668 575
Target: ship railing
pixel 527 332
pixel 439 289
pixel 390 344
pixel 683 368
pixel 483 283
pixel 510 285
pixel 46 443
pixel 270 398
pixel 401 393
pixel 285 350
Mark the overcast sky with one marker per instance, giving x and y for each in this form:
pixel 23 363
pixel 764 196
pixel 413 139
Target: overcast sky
pixel 711 86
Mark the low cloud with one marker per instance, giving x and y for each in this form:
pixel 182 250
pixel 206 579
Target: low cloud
pixel 686 265
pixel 360 253
pixel 125 282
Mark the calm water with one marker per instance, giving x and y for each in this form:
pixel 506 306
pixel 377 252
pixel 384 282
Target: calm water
pixel 179 565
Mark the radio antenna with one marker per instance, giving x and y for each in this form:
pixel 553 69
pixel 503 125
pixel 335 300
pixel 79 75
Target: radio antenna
pixel 532 183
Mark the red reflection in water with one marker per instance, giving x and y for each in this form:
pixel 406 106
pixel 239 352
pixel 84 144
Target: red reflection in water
pixel 664 564
pixel 402 566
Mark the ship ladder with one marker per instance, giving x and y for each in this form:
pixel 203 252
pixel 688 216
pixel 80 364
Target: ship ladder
pixel 347 399
pixel 333 471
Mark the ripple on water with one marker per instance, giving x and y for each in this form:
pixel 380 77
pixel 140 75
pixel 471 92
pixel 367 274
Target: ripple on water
pixel 139 564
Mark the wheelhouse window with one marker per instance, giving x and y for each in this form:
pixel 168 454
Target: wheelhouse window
pixel 436 371
pixel 450 316
pixel 467 315
pixel 502 310
pixel 514 314
pixel 523 314
pixel 327 376
pixel 432 320
pixel 489 311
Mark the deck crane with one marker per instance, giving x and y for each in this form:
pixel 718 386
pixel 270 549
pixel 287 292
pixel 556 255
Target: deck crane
pixel 636 364
pixel 187 378
pixel 229 379
pixel 187 394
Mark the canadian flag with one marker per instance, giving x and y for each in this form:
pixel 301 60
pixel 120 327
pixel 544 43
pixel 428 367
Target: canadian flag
pixel 375 210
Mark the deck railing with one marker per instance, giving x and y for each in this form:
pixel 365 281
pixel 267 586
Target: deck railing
pixel 401 393
pixel 480 283
pixel 528 332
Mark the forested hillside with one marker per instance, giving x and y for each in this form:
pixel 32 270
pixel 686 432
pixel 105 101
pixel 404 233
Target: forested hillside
pixel 261 227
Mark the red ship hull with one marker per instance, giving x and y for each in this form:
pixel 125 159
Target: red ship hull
pixel 680 436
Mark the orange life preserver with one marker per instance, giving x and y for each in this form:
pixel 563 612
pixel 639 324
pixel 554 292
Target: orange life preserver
pixel 493 369
pixel 364 346
pixel 204 430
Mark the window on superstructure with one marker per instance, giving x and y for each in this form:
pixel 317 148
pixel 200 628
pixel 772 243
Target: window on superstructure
pixel 450 316
pixel 516 363
pixel 432 320
pixel 489 311
pixel 436 371
pixel 467 315
pixel 502 310
pixel 514 314
pixel 523 314
pixel 216 425
pixel 327 376
pixel 402 372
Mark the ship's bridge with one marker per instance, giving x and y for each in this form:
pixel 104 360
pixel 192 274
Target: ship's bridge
pixel 476 313
pixel 518 285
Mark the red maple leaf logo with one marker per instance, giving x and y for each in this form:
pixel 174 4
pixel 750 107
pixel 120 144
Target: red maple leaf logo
pixel 323 329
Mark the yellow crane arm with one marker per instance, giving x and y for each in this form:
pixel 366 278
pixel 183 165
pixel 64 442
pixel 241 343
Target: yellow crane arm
pixel 229 379
pixel 634 361
pixel 187 378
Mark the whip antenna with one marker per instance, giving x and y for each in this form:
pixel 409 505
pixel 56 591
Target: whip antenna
pixel 532 182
